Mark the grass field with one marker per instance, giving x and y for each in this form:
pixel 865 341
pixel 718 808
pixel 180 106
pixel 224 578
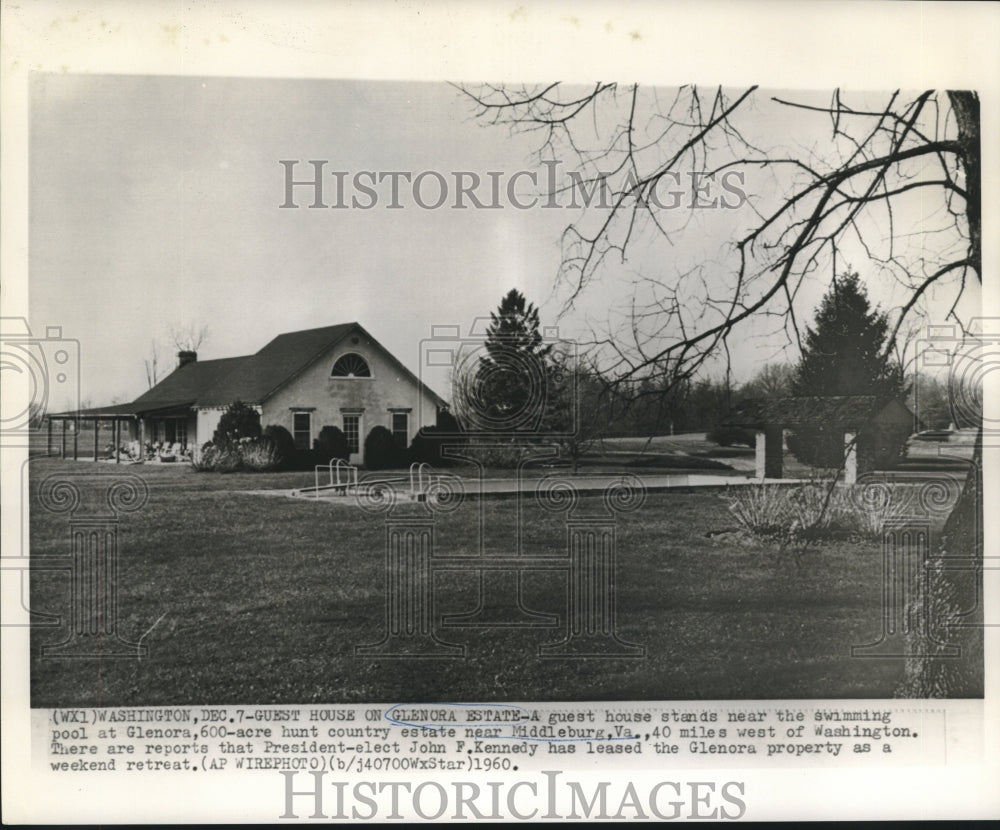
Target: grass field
pixel 262 599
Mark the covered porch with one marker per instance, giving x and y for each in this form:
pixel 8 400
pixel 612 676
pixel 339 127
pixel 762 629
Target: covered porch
pixel 121 434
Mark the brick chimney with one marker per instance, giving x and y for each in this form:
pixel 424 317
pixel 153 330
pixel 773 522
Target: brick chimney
pixel 184 358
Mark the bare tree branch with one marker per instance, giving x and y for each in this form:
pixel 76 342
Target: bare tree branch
pixel 851 188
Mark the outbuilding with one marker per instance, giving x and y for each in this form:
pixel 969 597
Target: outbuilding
pixel 870 428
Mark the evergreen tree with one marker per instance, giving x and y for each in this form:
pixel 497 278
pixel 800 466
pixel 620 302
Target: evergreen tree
pixel 510 385
pixel 845 349
pixel 237 422
pixel 845 353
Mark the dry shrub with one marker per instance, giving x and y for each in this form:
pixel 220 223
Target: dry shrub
pixel 813 510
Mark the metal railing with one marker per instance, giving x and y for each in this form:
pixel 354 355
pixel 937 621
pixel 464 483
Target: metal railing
pixel 417 486
pixel 334 469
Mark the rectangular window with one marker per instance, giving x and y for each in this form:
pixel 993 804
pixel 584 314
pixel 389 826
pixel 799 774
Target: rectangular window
pixel 401 428
pixel 352 427
pixel 182 433
pixel 302 429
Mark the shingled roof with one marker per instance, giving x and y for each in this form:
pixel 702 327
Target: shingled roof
pixel 280 360
pixel 251 378
pixel 187 384
pixel 847 411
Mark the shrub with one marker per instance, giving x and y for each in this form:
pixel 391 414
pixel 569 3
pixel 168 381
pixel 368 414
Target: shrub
pixel 817 447
pixel 869 515
pixel 878 446
pixel 259 456
pixel 228 459
pixel 762 510
pixel 447 422
pixel 812 511
pixel 254 455
pixel 427 446
pixel 381 451
pixel 284 444
pixel 307 459
pixel 332 443
pixel 500 455
pixel 237 422
pixel 204 460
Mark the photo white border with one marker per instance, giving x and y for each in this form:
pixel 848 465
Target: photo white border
pixel 775 44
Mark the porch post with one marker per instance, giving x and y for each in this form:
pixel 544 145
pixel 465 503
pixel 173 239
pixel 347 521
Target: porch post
pixel 768 452
pixel 850 458
pixel 97 432
pixel 116 437
pixel 76 438
pixel 63 450
pixel 48 438
pixel 759 455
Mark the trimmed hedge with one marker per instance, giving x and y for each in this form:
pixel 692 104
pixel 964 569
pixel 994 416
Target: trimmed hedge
pixel 331 444
pixel 239 421
pixel 284 444
pixel 381 451
pixel 427 444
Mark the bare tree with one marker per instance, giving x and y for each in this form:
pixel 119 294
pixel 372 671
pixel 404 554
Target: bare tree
pixel 152 365
pixel 774 380
pixel 640 152
pixel 183 337
pixel 189 337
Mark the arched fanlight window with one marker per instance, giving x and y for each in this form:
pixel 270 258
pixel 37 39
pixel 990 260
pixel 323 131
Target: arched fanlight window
pixel 351 366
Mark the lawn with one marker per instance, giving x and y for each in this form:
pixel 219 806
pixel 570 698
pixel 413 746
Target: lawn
pixel 259 599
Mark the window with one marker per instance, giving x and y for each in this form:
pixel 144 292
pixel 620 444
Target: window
pixel 352 428
pixel 302 428
pixel 351 366
pixel 172 430
pixel 401 429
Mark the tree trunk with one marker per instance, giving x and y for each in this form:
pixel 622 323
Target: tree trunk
pixel 950 611
pixel 965 105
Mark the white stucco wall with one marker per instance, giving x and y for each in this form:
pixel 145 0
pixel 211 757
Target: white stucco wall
pixel 208 420
pixel 373 398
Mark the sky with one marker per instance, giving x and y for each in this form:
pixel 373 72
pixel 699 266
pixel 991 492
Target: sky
pixel 155 201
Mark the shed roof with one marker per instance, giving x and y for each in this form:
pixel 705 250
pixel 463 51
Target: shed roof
pixel 847 411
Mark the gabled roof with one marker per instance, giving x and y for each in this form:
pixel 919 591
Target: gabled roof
pixel 285 357
pixel 833 410
pixel 251 379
